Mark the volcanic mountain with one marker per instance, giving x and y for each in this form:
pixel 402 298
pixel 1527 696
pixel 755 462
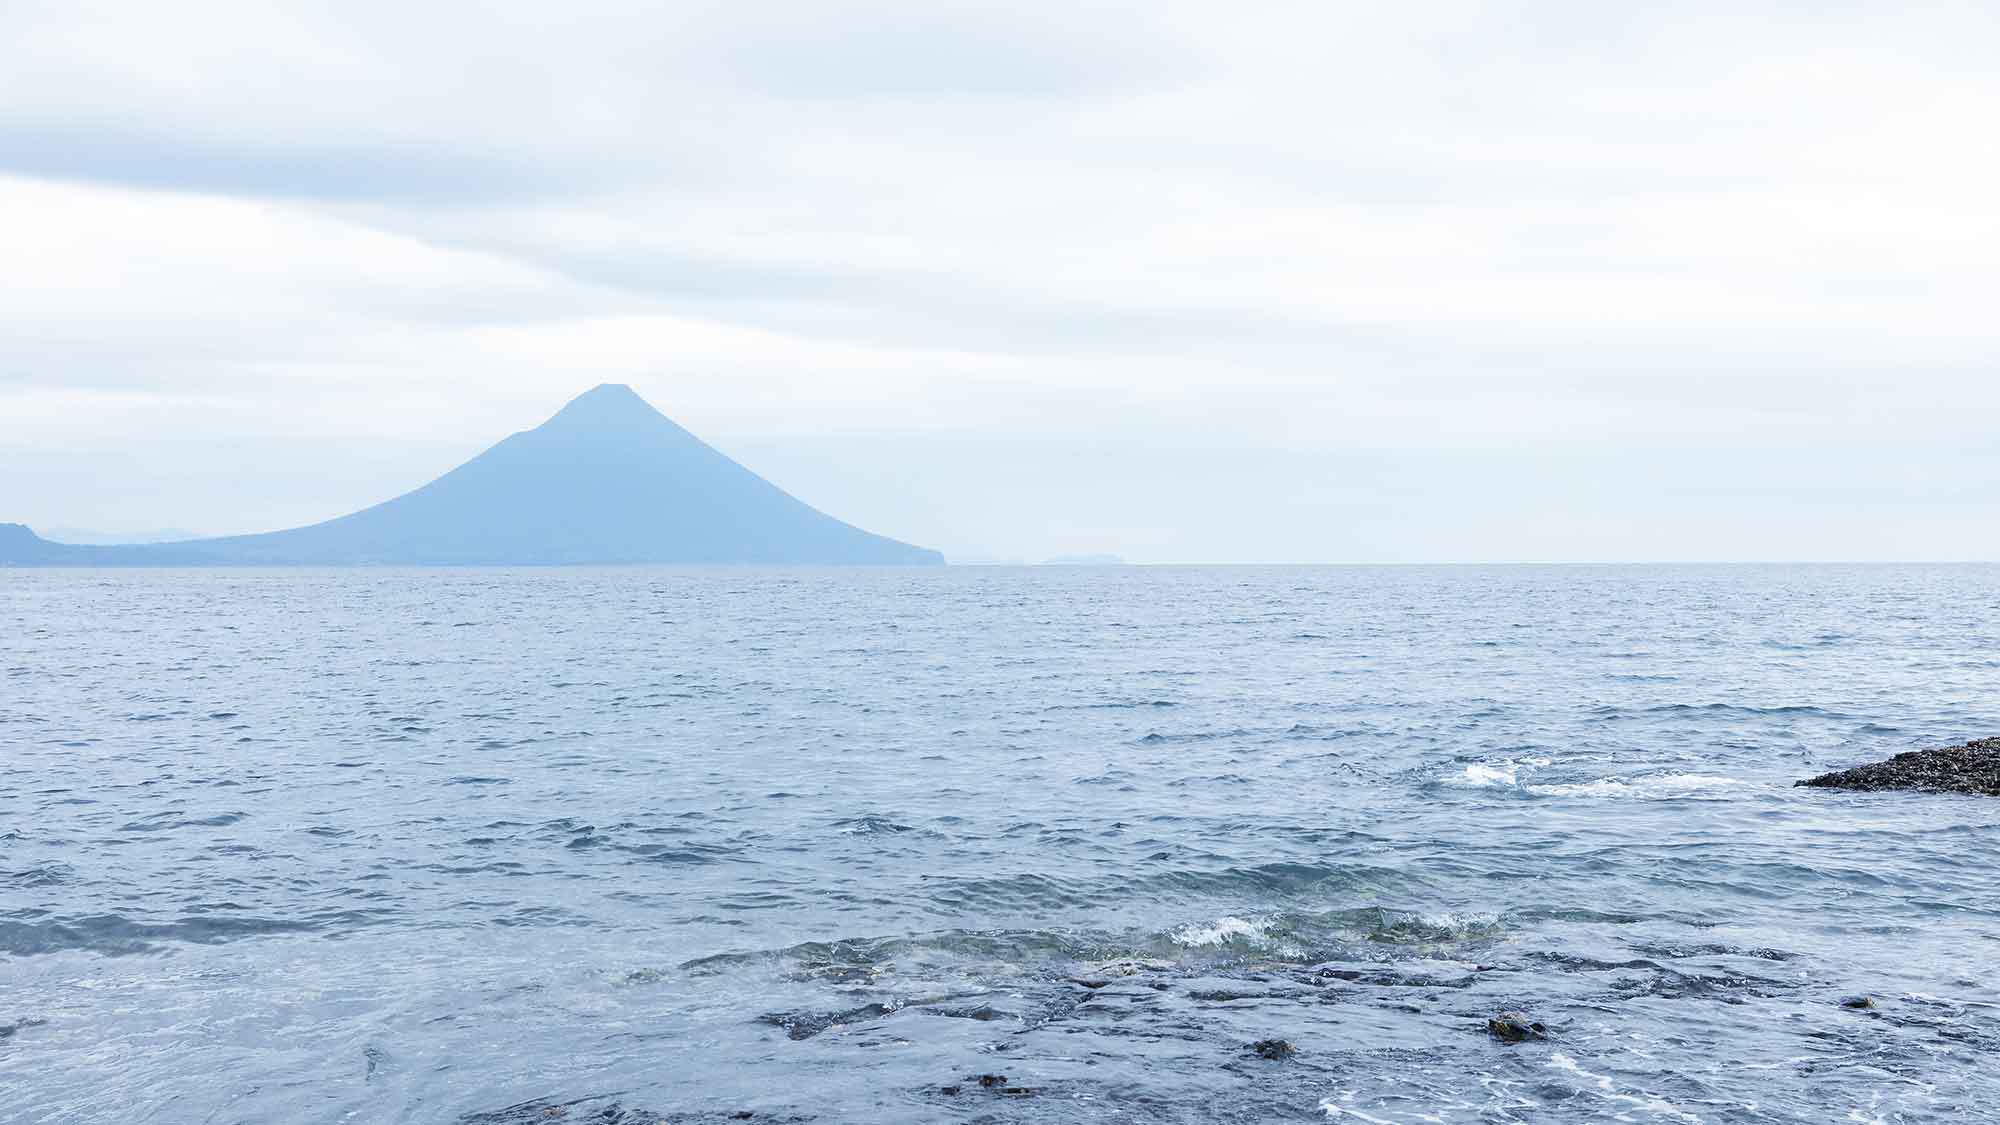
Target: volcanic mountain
pixel 608 479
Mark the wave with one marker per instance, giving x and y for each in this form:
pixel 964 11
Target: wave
pixel 164 822
pixel 1498 773
pixel 871 826
pixel 1156 737
pixel 115 934
pixel 40 875
pixel 1508 773
pixel 1605 1087
pixel 1261 882
pixel 1222 931
pixel 1479 775
pixel 1656 787
pixel 1352 943
pixel 1333 935
pixel 1784 709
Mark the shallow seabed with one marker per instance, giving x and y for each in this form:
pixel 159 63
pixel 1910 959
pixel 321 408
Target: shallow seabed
pixel 633 845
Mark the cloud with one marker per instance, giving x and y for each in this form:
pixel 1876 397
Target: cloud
pixel 945 49
pixel 1443 229
pixel 334 169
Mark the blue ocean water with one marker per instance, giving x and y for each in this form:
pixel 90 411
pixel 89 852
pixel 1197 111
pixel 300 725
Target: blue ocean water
pixel 641 845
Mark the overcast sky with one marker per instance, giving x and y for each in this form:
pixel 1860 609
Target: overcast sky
pixel 1183 282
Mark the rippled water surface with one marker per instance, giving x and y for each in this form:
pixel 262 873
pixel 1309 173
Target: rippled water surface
pixel 643 845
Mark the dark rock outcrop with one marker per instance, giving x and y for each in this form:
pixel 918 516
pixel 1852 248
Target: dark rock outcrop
pixel 1515 1027
pixel 992 1084
pixel 1971 768
pixel 805 1025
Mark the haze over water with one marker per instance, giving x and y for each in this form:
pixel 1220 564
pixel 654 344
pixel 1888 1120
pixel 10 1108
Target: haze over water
pixel 644 844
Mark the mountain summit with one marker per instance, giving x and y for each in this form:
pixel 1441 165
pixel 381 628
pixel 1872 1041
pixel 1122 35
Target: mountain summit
pixel 608 479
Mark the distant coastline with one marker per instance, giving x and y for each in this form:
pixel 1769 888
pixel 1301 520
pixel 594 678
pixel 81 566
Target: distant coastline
pixel 1085 560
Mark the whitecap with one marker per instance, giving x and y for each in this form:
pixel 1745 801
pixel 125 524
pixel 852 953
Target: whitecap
pixel 1656 787
pixel 1608 1090
pixel 1499 773
pixel 1436 926
pixel 1221 931
pixel 1480 775
pixel 1335 1109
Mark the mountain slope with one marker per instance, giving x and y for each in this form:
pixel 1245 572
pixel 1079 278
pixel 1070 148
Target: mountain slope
pixel 608 479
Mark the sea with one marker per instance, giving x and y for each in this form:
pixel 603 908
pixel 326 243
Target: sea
pixel 1055 844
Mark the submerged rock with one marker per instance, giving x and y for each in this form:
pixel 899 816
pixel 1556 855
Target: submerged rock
pixel 1102 973
pixel 1971 768
pixel 1515 1027
pixel 992 1083
pixel 805 1025
pixel 608 1110
pixel 984 1013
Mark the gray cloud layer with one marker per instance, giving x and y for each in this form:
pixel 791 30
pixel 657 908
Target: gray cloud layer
pixel 1451 280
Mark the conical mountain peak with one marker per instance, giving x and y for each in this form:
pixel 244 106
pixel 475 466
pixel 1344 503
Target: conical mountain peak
pixel 611 395
pixel 608 479
pixel 606 404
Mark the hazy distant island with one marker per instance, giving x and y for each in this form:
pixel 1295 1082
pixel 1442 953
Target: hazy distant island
pixel 608 479
pixel 82 535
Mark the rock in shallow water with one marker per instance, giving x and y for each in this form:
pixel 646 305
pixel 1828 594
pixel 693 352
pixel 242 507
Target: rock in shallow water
pixel 1515 1027
pixel 805 1025
pixel 607 1110
pixel 993 1083
pixel 1971 768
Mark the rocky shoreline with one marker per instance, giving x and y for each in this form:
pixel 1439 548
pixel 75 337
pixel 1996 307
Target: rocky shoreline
pixel 1971 768
pixel 1045 1057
